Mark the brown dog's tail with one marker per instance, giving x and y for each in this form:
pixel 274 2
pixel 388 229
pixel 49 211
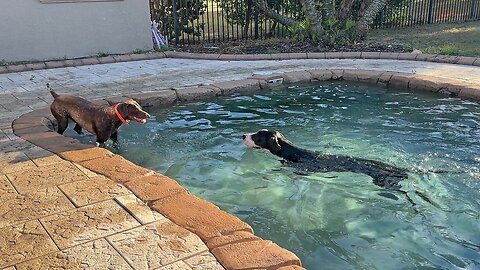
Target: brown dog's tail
pixel 54 95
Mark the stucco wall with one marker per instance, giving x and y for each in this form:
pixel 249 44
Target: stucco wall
pixel 30 30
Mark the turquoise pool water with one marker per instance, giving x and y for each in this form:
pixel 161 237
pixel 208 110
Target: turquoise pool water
pixel 332 220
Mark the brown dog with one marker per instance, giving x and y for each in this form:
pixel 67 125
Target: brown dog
pixel 101 120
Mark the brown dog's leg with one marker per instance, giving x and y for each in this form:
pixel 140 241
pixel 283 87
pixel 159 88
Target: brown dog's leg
pixel 61 120
pixel 78 129
pixel 114 137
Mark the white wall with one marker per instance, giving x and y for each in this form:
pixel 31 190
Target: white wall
pixel 30 30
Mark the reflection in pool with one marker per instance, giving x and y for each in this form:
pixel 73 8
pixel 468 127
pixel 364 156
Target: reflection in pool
pixel 332 220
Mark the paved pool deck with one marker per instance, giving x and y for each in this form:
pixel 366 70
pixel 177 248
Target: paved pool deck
pixel 56 213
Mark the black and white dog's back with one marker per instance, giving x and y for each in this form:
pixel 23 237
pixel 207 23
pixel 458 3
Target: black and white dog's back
pixel 384 175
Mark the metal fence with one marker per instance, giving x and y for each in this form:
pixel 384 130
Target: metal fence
pixel 417 12
pixel 210 21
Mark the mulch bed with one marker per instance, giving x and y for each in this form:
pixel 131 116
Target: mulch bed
pixel 285 46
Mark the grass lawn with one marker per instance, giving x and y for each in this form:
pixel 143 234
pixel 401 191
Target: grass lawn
pixel 451 39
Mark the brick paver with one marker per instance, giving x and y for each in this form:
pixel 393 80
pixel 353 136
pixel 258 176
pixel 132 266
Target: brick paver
pixel 58 214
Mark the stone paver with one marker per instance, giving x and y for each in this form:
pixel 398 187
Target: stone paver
pixel 46 176
pixel 22 242
pixel 15 161
pixel 204 261
pixel 93 190
pixel 156 244
pixel 7 191
pixel 42 157
pixel 32 205
pixel 138 209
pixel 97 254
pixel 87 223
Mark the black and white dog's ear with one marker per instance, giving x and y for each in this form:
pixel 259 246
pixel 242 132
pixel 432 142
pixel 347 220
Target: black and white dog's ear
pixel 273 145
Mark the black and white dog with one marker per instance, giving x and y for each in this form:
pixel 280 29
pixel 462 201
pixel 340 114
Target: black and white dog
pixel 384 175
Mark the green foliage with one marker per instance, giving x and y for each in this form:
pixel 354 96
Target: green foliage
pixel 165 48
pixel 102 54
pixel 335 32
pixel 450 39
pixel 187 10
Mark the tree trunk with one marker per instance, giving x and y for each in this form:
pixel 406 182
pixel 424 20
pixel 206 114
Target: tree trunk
pixel 370 13
pixel 315 18
pixel 345 10
pixel 248 17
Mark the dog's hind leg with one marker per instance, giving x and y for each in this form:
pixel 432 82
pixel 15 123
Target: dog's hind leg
pixel 62 121
pixel 78 129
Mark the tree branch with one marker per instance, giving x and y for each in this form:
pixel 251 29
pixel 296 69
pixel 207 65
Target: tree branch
pixel 272 14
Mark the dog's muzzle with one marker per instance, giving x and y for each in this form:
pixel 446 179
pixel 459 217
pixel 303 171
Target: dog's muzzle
pixel 247 140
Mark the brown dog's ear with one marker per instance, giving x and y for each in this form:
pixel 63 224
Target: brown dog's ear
pixel 273 145
pixel 111 103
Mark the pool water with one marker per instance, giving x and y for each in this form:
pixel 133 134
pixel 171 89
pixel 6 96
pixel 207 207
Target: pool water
pixel 332 220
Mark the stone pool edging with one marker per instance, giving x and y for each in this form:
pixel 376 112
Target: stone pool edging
pixel 228 238
pixel 438 58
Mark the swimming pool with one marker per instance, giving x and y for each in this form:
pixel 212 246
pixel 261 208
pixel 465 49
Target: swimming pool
pixel 332 220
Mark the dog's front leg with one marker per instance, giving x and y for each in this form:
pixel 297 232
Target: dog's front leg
pixel 114 137
pixel 78 129
pixel 102 138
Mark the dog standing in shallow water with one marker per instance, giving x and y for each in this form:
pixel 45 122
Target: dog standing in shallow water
pixel 384 175
pixel 101 120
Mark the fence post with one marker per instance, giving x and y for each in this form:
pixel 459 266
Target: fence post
pixel 430 11
pixel 175 22
pixel 473 9
pixel 256 23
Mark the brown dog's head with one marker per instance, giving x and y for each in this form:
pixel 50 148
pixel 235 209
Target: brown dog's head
pixel 131 110
pixel 264 139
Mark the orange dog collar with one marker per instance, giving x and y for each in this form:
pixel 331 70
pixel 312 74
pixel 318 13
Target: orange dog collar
pixel 119 115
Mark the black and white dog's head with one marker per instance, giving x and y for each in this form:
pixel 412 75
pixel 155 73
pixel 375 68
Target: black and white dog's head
pixel 264 139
